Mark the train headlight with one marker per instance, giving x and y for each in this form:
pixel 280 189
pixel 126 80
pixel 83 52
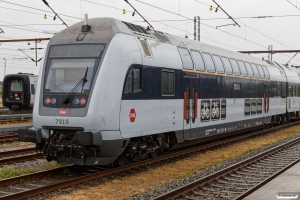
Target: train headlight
pixel 82 101
pixel 53 101
pixel 76 101
pixel 47 100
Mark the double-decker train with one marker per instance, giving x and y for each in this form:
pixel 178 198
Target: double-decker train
pixel 111 91
pixel 18 92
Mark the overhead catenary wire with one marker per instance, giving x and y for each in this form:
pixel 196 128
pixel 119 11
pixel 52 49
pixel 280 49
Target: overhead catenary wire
pixel 39 9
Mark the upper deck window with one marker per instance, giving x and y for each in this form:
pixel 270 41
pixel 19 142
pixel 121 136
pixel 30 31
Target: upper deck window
pixel 242 68
pixel 261 72
pixel 219 64
pixel 249 69
pixel 236 69
pixel 210 67
pixel 254 68
pixel 267 75
pixel 186 59
pixel 227 65
pixel 199 63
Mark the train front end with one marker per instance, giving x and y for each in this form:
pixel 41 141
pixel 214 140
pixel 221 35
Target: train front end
pixel 18 92
pixel 75 114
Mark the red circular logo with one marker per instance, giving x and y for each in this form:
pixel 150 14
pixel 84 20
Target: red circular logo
pixel 62 112
pixel 132 115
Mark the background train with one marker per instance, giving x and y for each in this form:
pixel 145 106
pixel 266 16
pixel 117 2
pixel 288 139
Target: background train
pixel 112 91
pixel 18 92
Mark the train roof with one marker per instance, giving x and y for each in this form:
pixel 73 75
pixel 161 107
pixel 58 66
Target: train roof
pixel 104 29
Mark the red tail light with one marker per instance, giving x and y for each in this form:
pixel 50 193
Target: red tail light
pixel 47 100
pixel 82 101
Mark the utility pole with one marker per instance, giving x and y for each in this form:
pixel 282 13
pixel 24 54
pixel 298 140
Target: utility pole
pixel 270 48
pixel 36 40
pixel 197 28
pixel 4 66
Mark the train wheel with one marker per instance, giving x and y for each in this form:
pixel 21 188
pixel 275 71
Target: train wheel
pixel 283 120
pixel 121 161
pixel 154 153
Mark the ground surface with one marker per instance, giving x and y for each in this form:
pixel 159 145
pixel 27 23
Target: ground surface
pixel 137 182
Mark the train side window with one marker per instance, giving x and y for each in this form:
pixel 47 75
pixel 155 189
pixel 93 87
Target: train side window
pixel 259 106
pixel 291 90
pixel 249 69
pixel 266 71
pixel 253 106
pixel 261 72
pixel 219 64
pixel 254 68
pixel 133 81
pixel 199 63
pixel 236 70
pixel 277 89
pixel 186 59
pixel 223 108
pixel 209 62
pixel 227 65
pixel 247 107
pixel 32 88
pixel 242 68
pixel 167 83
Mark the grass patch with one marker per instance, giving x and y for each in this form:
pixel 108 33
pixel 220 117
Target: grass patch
pixel 10 171
pixel 120 187
pixel 8 123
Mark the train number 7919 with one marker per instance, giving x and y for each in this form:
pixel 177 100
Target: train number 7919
pixel 62 121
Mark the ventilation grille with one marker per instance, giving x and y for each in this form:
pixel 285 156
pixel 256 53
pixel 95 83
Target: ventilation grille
pixel 145 47
pixel 138 29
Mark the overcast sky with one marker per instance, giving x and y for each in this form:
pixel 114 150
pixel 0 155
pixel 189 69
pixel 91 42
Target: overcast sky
pixel 25 19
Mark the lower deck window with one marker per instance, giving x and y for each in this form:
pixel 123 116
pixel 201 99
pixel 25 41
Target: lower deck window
pixel 167 83
pixel 247 107
pixel 253 106
pixel 133 81
pixel 259 106
pixel 223 109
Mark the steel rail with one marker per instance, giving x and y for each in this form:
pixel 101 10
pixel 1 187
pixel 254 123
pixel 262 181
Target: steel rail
pixel 4 110
pixel 15 116
pixel 14 127
pixel 177 193
pixel 17 151
pixel 21 158
pixel 96 175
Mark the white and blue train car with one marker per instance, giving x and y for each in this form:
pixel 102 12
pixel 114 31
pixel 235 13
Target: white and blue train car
pixel 112 91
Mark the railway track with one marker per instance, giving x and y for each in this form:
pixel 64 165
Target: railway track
pixel 4 119
pixel 19 155
pixel 23 188
pixel 240 180
pixel 15 127
pixel 4 111
pixel 8 137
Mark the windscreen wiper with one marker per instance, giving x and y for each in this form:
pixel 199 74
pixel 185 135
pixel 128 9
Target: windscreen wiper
pixel 82 81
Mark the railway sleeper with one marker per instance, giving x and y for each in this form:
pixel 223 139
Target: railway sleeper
pixel 230 183
pixel 230 187
pixel 231 179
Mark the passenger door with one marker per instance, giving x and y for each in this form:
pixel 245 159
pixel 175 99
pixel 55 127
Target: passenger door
pixel 190 106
